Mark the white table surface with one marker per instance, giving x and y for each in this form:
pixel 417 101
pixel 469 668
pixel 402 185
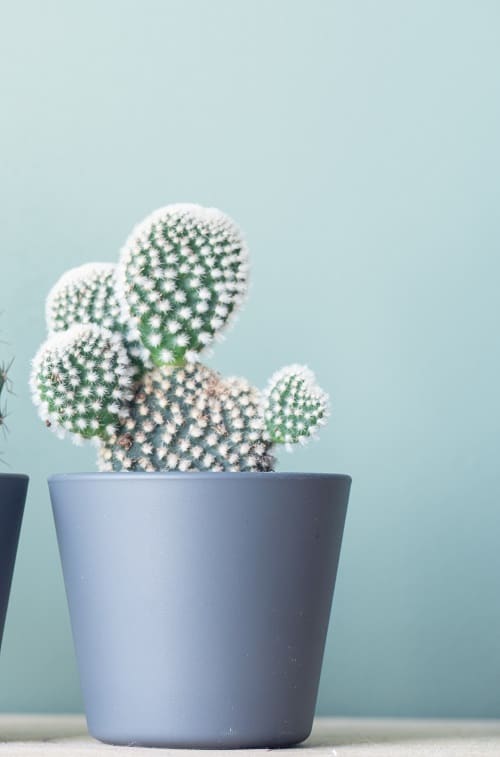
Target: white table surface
pixel 333 737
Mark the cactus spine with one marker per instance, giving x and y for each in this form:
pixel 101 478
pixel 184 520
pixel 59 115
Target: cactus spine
pixel 5 388
pixel 121 363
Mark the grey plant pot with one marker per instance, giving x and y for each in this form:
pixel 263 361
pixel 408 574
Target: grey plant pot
pixel 199 602
pixel 13 488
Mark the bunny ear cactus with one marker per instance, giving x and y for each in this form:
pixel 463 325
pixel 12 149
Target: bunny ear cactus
pixel 121 363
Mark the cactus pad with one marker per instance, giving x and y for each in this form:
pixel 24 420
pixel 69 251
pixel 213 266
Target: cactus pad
pixel 190 419
pixel 182 275
pixel 83 295
pixel 294 405
pixel 80 381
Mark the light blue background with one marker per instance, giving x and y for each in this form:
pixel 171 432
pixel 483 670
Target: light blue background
pixel 357 144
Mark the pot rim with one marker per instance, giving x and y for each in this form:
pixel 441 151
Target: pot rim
pixel 19 476
pixel 195 475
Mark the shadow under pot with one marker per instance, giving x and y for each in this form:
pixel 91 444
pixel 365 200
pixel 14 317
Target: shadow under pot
pixel 13 488
pixel 200 602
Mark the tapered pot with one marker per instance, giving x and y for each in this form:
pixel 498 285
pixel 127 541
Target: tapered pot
pixel 199 602
pixel 13 488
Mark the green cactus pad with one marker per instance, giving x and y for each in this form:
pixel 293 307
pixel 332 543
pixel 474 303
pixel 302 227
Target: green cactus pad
pixel 84 295
pixel 88 295
pixel 294 405
pixel 190 419
pixel 181 277
pixel 80 381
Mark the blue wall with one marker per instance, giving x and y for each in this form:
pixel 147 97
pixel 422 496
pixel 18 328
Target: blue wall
pixel 357 144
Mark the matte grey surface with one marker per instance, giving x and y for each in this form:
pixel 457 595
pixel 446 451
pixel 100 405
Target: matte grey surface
pixel 13 488
pixel 66 736
pixel 199 602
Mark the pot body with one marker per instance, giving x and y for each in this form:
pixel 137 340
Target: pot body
pixel 13 488
pixel 199 602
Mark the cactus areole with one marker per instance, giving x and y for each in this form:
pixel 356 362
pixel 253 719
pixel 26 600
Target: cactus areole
pixel 121 364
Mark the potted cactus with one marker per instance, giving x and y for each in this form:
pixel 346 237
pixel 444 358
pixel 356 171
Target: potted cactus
pixel 13 489
pixel 199 581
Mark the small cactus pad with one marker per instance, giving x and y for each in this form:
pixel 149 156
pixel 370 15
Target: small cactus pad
pixel 80 381
pixel 294 405
pixel 83 295
pixel 182 275
pixel 190 419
